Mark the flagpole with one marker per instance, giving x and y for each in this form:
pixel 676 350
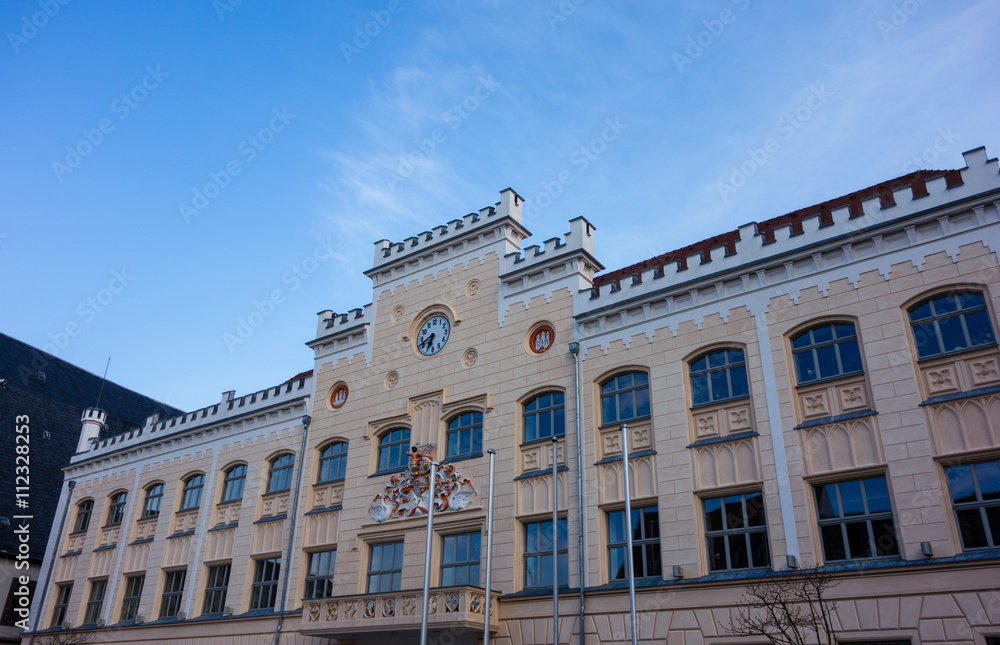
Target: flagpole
pixel 628 533
pixel 427 554
pixel 555 545
pixel 489 550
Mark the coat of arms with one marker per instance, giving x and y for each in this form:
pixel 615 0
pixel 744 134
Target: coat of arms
pixel 408 493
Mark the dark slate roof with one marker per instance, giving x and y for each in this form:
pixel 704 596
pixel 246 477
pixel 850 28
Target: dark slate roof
pixel 54 404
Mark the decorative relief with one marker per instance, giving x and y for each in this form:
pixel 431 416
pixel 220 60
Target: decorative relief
pixel 313 614
pixel 397 313
pixel 472 288
pixel 369 609
pixel 534 495
pixel 75 542
pixel 970 424
pixel 145 528
pixel 641 439
pixel 540 338
pixel 832 397
pixel 332 611
pixel 450 603
pixel 530 460
pixel 110 535
pixel 186 521
pixel 642 479
pixel 391 379
pixel 840 445
pixel 705 425
pixel 454 607
pixel 350 609
pixel 726 464
pixel 815 404
pixel 984 371
pixel 388 608
pixel 612 443
pixel 409 605
pixel 739 419
pixel 852 398
pixel 940 380
pixel 470 357
pixel 408 493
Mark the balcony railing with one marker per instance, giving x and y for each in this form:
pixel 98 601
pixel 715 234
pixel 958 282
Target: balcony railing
pixel 448 607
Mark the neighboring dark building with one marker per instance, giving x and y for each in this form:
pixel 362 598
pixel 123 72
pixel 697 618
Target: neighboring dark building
pixel 53 395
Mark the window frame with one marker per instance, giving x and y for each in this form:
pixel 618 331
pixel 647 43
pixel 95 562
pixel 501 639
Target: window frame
pixel 229 480
pixel 539 411
pixel 116 508
pixel 538 555
pixel 617 392
pixel 95 605
pixel 745 531
pixel 130 603
pixel 215 593
pixel 813 347
pixel 960 313
pixel 456 430
pixel 61 604
pixel 82 519
pixel 261 585
pixel 170 599
pixel 194 485
pixel 314 580
pixel 866 516
pixel 147 501
pixel 339 458
pixel 389 445
pixel 277 473
pixel 979 504
pixel 709 370
pixel 641 542
pixel 471 566
pixel 375 572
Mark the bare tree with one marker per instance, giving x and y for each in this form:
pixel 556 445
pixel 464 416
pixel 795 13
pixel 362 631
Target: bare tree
pixel 790 609
pixel 68 637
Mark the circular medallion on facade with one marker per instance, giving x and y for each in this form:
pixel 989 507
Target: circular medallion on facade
pixel 470 357
pixel 472 288
pixel 397 314
pixel 391 379
pixel 433 335
pixel 338 396
pixel 540 338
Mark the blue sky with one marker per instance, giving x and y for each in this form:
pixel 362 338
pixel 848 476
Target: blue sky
pixel 166 169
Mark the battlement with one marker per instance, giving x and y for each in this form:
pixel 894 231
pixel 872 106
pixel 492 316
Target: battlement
pixel 755 242
pixel 579 238
pixel 331 323
pixel 387 252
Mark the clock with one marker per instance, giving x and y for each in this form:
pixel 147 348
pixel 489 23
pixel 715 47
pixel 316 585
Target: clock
pixel 433 335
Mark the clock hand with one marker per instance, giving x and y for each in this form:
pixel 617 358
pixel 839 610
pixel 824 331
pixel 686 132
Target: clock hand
pixel 429 341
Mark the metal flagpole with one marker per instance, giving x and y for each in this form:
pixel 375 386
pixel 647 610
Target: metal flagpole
pixel 555 546
pixel 489 550
pixel 427 555
pixel 628 533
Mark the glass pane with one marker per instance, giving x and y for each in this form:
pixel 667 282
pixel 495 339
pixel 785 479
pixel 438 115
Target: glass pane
pixel 531 538
pixel 616 530
pixel 641 378
pixel 713 515
pixel 826 502
pixel 545 423
pixel 988 475
pixel 718 359
pixel 850 498
pixel 699 389
pixel 884 533
pixel 827 359
pixel 653 567
pixel 833 543
pixel 759 553
pixel 951 333
pixel 738 556
pixel 461 575
pixel 700 364
pixel 800 341
pixel 559 421
pixel 651 523
pixel 921 312
pixel 720 385
pixel 738 377
pixel 878 495
pixel 970 524
pixel 608 410
pixel 448 554
pixel 530 428
pixel 755 509
pixel 805 367
pixel 926 340
pixel 717 553
pixel 960 482
pixel 850 356
pixel 474 546
pixel 735 356
pixel 626 405
pixel 969 300
pixel 545 570
pixel 845 331
pixel 562 535
pixel 945 304
pixel 857 540
pixel 734 512
pixel 624 381
pixel 398 560
pixel 823 334
pixel 608 387
pixel 993 519
pixel 642 402
pixel 978 324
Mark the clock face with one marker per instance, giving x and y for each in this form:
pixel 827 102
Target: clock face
pixel 433 335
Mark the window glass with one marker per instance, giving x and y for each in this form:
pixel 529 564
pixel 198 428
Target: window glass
pixel 719 376
pixel 736 532
pixel 975 497
pixel 393 446
pixel 951 323
pixel 625 397
pixel 855 519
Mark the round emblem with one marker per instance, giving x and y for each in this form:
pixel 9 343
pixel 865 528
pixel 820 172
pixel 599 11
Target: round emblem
pixel 433 335
pixel 541 339
pixel 338 397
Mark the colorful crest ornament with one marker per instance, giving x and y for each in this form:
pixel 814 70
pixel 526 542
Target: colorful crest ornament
pixel 408 493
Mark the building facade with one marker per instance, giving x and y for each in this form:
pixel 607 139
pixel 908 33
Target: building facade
pixel 820 390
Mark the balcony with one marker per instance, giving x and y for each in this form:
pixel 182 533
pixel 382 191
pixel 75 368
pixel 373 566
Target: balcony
pixel 448 608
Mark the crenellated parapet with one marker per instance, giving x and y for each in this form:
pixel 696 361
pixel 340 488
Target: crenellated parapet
pixel 344 334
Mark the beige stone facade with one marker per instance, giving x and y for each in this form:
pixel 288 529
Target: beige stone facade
pixel 817 390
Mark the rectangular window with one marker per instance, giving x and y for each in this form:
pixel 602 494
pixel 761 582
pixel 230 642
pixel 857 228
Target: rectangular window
pixel 975 496
pixel 63 593
pixel 645 543
pixel 736 532
pixel 133 594
pixel 216 588
pixel 460 559
pixel 855 520
pixel 265 584
pixel 319 578
pixel 96 601
pixel 385 567
pixel 538 554
pixel 173 590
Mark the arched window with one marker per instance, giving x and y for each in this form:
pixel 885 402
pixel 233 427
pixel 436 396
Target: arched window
pixel 191 496
pixel 718 376
pixel 392 448
pixel 116 508
pixel 465 434
pixel 826 351
pixel 232 483
pixel 951 323
pixel 154 495
pixel 279 477
pixel 544 416
pixel 83 511
pixel 625 397
pixel 333 462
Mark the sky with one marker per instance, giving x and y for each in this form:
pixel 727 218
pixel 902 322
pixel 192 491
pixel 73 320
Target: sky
pixel 167 169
